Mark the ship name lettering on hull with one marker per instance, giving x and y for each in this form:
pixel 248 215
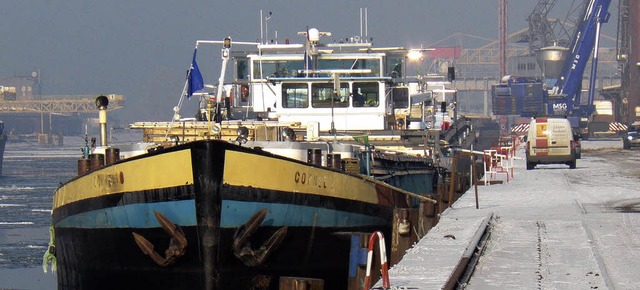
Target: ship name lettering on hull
pixel 111 181
pixel 310 179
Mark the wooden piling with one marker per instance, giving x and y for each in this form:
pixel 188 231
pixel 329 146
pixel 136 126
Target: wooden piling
pixel 298 283
pixel 427 218
pixel 404 234
pixel 452 180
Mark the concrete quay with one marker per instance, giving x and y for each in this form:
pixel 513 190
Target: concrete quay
pixel 547 228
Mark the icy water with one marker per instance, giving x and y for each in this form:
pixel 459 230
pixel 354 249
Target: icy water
pixel 31 173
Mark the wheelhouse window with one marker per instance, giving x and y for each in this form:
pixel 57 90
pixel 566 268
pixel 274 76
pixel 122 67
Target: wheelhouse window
pixel 277 68
pixel 321 95
pixel 366 94
pixel 394 62
pixel 242 69
pixel 400 97
pixel 373 65
pixel 295 96
pixel 289 68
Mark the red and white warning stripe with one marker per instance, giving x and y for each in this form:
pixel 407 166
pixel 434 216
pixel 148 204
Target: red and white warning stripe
pixel 617 127
pixel 383 261
pixel 520 129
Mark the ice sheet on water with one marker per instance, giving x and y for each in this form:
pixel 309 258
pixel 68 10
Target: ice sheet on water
pixel 41 210
pixel 11 205
pixel 14 188
pixel 16 223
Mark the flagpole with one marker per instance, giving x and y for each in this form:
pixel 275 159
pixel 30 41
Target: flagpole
pixel 184 93
pixel 176 109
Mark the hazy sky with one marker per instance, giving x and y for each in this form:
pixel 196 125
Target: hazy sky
pixel 141 49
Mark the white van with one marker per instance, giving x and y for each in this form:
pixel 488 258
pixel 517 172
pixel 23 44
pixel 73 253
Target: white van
pixel 550 141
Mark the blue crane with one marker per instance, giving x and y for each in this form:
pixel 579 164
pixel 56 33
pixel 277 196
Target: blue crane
pixel 564 97
pixel 530 97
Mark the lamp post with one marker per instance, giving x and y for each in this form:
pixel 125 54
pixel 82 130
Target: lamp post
pixel 416 55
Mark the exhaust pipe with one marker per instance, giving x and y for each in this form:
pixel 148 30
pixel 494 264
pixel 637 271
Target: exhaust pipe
pixel 102 102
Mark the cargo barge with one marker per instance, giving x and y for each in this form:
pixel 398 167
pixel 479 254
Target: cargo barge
pixel 310 145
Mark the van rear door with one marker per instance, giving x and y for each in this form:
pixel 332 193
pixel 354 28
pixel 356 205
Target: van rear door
pixel 552 137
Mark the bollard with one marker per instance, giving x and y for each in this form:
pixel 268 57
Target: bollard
pixel 314 156
pixel 96 161
pixel 83 166
pixel 112 155
pixel 334 161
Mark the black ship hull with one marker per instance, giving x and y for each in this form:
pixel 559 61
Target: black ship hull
pixel 297 219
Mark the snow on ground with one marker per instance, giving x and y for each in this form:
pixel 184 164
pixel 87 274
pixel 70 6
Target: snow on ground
pixel 553 228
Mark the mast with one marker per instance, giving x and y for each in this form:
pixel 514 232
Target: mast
pixel 502 36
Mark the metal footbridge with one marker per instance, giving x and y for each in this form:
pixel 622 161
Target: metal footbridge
pixel 59 104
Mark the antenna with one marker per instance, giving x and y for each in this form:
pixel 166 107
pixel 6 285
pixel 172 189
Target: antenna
pixel 366 23
pixel 360 22
pixel 266 27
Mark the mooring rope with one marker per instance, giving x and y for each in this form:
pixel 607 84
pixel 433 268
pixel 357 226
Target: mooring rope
pixel 49 258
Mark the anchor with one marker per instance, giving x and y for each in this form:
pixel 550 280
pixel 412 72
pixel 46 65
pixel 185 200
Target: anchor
pixel 176 248
pixel 242 247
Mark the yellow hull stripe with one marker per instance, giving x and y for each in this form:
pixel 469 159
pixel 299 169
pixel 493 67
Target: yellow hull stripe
pixel 160 171
pixel 244 169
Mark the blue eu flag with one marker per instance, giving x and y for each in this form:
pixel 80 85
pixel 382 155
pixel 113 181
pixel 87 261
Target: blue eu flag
pixel 194 77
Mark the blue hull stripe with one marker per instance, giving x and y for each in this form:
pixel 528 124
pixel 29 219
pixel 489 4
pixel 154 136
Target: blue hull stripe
pixel 234 214
pixel 139 215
